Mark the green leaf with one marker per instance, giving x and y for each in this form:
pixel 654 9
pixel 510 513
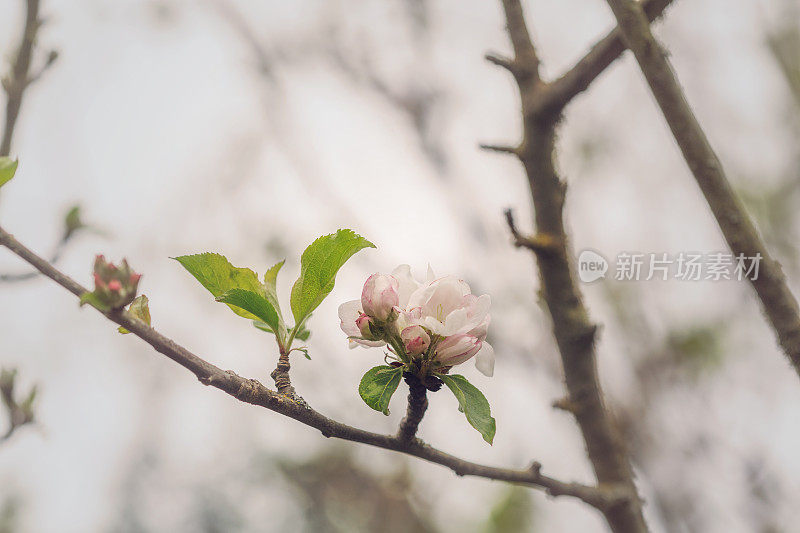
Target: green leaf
pixel 378 385
pixel 8 167
pixel 140 309
pixel 253 303
pixel 216 274
pixel 93 300
pixel 303 334
pixel 263 326
pixel 271 292
pixel 473 404
pixel 318 267
pixel 72 222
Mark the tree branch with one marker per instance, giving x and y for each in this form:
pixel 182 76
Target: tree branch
pixel 574 332
pixel 19 78
pixel 73 224
pixel 578 78
pixel 253 392
pixel 19 414
pixel 777 300
pixel 525 64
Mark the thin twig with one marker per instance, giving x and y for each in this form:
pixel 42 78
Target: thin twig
pixel 19 77
pixel 578 78
pixel 572 328
pixel 19 413
pixel 253 392
pixel 777 300
pixel 72 226
pixel 54 258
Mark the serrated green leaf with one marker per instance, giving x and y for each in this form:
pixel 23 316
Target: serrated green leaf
pixel 215 273
pixel 271 293
pixel 318 267
pixel 93 300
pixel 8 167
pixel 140 309
pixel 253 303
pixel 472 403
pixel 378 385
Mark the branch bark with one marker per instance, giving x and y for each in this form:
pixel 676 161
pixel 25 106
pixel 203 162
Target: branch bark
pixel 572 328
pixel 778 302
pixel 253 392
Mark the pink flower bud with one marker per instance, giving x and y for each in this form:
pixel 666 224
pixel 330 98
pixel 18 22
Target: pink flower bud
pixel 114 286
pixel 456 349
pixel 415 339
pixel 380 296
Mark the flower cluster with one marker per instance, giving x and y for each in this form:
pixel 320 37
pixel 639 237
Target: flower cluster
pixel 429 327
pixel 114 286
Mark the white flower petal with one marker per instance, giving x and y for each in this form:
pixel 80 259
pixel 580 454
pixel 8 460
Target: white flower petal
pixel 407 284
pixel 484 360
pixel 456 322
pixel 431 275
pixel 348 313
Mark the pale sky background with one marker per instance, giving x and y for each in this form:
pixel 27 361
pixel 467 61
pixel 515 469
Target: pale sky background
pixel 156 119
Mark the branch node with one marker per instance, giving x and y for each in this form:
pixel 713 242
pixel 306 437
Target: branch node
pixel 565 404
pixel 540 243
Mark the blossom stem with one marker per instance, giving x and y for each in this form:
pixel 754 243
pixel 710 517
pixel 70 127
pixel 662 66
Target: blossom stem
pixel 417 405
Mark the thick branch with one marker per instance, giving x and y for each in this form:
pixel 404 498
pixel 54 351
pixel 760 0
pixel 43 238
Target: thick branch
pixel 778 302
pixel 19 77
pixel 253 392
pixel 572 328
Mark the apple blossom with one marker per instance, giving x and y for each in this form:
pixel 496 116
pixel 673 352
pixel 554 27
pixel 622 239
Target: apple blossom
pixel 435 325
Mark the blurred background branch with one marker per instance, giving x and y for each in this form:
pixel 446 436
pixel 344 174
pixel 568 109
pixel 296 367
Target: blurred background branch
pixel 20 75
pixel 573 330
pixel 18 408
pixel 777 300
